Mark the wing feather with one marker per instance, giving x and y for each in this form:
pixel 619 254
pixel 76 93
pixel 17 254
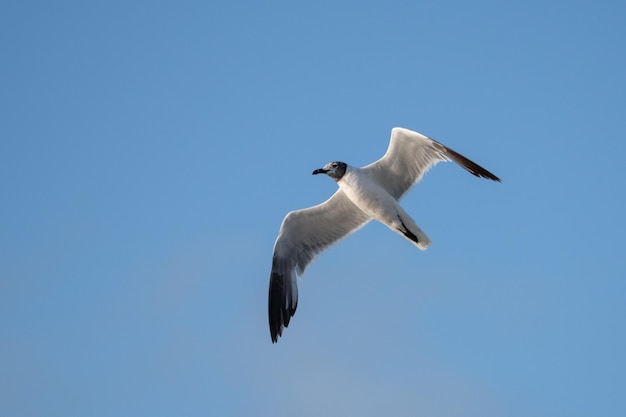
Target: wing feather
pixel 409 156
pixel 303 235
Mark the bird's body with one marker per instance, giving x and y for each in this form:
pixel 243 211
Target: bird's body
pixel 368 193
pixel 371 198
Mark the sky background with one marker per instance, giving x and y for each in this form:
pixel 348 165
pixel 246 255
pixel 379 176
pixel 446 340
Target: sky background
pixel 150 150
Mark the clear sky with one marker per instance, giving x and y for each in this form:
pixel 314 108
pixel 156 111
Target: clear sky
pixel 150 150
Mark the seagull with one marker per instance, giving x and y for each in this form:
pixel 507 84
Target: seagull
pixel 368 193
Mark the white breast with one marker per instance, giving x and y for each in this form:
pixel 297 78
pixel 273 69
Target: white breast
pixel 367 195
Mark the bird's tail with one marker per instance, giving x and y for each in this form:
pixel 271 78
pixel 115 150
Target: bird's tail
pixel 406 227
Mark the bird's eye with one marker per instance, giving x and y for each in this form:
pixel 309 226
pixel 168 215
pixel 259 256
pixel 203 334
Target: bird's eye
pixel 334 165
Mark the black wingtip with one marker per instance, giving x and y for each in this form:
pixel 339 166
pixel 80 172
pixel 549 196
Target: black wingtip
pixel 471 166
pixel 280 305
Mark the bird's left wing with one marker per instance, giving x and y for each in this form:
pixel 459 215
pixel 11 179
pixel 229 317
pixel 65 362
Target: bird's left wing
pixel 409 156
pixel 303 235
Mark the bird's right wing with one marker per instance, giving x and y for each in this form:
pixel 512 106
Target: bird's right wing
pixel 303 235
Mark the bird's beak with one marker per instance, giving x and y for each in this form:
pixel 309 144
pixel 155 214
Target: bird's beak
pixel 320 171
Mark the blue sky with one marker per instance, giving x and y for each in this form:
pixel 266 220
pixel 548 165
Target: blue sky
pixel 149 151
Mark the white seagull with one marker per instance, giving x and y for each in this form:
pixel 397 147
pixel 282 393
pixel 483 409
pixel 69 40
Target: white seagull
pixel 368 193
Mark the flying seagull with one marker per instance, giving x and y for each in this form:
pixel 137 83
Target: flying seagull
pixel 368 193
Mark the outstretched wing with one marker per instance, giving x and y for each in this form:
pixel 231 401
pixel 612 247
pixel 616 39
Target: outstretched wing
pixel 409 156
pixel 303 235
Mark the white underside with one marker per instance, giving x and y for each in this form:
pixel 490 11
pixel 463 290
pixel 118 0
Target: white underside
pixel 379 205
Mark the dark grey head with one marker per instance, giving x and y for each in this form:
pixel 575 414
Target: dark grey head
pixel 334 170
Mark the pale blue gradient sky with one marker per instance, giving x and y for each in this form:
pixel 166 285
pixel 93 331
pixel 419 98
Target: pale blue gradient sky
pixel 149 151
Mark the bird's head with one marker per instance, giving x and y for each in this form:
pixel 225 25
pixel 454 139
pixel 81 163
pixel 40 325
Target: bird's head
pixel 334 170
